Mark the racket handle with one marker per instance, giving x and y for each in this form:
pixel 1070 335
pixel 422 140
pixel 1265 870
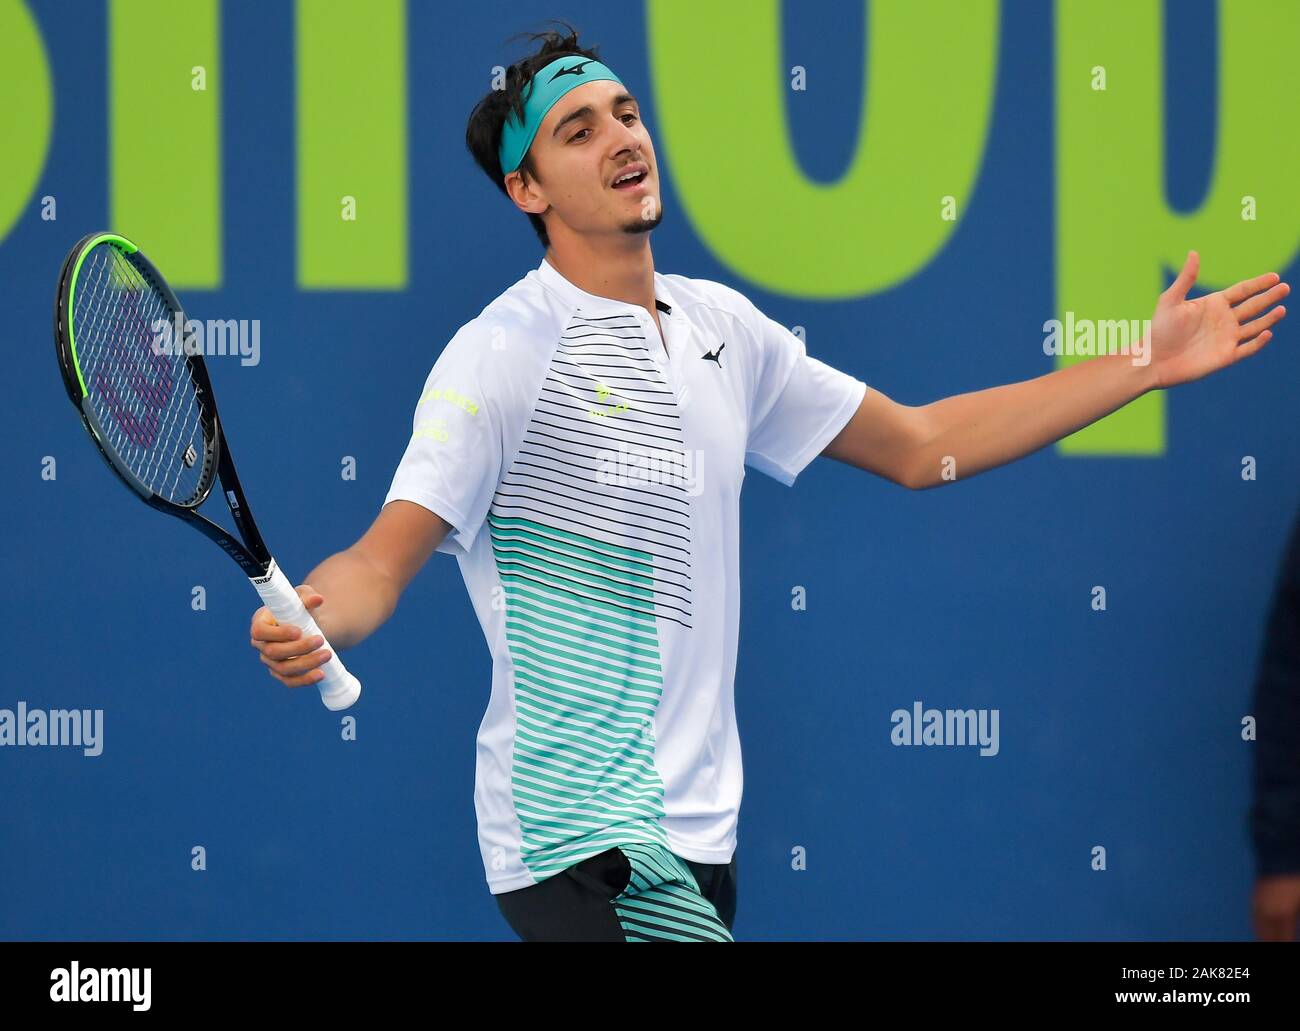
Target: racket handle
pixel 340 688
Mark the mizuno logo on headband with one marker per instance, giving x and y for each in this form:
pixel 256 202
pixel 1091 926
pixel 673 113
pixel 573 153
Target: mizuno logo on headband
pixel 541 93
pixel 577 69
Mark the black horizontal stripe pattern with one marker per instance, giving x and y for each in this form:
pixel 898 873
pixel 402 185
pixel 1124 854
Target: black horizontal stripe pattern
pixel 603 399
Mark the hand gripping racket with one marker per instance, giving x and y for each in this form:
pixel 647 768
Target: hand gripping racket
pixel 143 392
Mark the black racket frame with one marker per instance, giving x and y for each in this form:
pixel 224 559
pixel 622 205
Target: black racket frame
pixel 251 553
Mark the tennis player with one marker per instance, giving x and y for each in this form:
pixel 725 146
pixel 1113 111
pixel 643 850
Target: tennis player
pixel 580 446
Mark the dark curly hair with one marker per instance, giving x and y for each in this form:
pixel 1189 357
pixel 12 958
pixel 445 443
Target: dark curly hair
pixel 483 133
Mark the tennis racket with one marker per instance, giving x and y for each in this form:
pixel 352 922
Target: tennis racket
pixel 145 399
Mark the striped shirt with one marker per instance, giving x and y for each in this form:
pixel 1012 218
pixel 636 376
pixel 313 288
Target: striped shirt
pixel 591 471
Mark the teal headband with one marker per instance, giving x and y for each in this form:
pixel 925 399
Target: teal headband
pixel 546 87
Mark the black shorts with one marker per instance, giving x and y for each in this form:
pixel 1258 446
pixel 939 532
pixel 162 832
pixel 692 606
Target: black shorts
pixel 632 892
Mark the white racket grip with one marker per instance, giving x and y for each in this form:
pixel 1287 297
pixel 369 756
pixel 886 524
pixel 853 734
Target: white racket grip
pixel 340 688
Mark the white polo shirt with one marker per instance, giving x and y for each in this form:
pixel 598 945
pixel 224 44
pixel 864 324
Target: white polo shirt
pixel 592 478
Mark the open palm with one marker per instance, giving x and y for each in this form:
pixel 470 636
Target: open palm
pixel 1193 338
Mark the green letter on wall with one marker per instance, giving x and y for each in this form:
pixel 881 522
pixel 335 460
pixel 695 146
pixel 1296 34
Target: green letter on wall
pixel 25 115
pixel 1116 237
pixel 721 90
pixel 165 134
pixel 352 144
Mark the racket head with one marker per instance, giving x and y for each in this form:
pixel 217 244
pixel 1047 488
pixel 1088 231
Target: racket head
pixel 143 394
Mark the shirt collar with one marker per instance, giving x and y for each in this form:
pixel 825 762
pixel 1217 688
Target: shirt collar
pixel 551 277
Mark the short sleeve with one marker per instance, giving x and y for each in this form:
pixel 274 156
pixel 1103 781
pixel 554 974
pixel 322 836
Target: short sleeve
pixel 798 404
pixel 452 463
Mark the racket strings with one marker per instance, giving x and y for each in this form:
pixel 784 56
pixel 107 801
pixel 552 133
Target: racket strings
pixel 136 410
pixel 138 407
pixel 148 403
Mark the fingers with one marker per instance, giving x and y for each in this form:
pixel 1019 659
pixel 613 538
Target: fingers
pixel 1234 294
pixel 1252 329
pixel 1252 306
pixel 290 657
pixel 301 669
pixel 1250 347
pixel 1238 292
pixel 1186 278
pixel 265 628
pixel 297 670
pixel 310 598
pixel 307 680
pixel 289 649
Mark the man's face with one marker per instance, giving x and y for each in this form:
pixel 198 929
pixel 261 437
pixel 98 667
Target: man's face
pixel 592 137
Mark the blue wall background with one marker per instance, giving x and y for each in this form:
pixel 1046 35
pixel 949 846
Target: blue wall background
pixel 1118 729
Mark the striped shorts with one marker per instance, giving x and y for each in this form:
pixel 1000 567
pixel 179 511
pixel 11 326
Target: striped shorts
pixel 634 892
